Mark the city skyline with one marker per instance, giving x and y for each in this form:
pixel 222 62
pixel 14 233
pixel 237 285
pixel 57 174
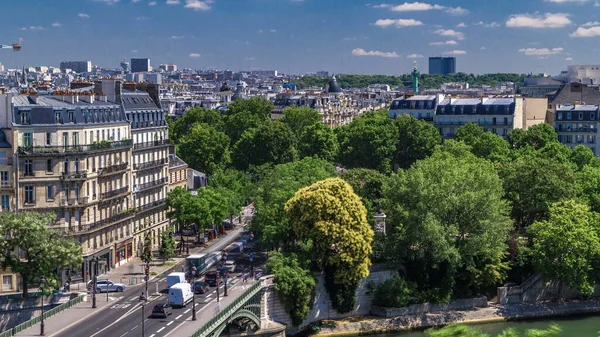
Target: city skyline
pixel 299 36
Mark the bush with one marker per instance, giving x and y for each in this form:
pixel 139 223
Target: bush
pixel 294 284
pixel 395 292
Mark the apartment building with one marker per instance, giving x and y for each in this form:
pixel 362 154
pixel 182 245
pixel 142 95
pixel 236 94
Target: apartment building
pixel 577 125
pixel 419 106
pixel 71 153
pixel 178 173
pixel 496 115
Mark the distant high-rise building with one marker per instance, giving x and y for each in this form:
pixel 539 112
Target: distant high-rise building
pixel 323 73
pixel 140 65
pixel 77 66
pixel 264 73
pixel 168 67
pixel 153 78
pixel 125 65
pixel 442 65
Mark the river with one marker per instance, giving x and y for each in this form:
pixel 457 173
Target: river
pixel 575 326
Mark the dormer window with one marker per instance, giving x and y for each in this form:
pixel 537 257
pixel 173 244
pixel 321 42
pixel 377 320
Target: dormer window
pixel 57 116
pixel 592 116
pixel 26 117
pixel 569 116
pixel 71 116
pixel 559 116
pixel 581 116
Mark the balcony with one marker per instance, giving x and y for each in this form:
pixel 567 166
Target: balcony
pixel 7 185
pixel 147 145
pixel 113 169
pixel 151 206
pixel 575 129
pixel 150 165
pixel 74 202
pixel 115 219
pixel 149 185
pixel 115 193
pixel 73 176
pixel 74 149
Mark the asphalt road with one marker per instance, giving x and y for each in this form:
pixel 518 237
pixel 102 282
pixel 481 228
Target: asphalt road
pixel 123 317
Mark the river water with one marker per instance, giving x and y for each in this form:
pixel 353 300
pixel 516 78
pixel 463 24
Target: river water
pixel 575 326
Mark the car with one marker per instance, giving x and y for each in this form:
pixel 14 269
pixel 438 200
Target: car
pixel 227 224
pixel 200 287
pixel 106 285
pixel 212 278
pixel 230 265
pixel 162 310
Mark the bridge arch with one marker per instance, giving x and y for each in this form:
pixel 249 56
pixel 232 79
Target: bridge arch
pixel 242 313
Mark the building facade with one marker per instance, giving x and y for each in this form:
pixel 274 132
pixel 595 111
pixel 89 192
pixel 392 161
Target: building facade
pixel 578 125
pixel 442 65
pixel 77 66
pixel 140 65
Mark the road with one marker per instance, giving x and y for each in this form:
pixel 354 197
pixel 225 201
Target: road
pixel 123 317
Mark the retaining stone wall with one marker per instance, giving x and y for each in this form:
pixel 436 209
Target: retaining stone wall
pixel 415 309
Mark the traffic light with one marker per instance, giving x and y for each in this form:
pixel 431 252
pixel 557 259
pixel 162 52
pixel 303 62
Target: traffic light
pixel 147 271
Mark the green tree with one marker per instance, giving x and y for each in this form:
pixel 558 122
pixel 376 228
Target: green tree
pixel 204 148
pixel 277 186
pixel 182 208
pixel 583 155
pixel 450 223
pixel 394 292
pixel 318 141
pixel 416 140
pixel 457 330
pixel 333 217
pixel 167 245
pixel 532 183
pixel 181 126
pixel 29 247
pixel 237 124
pixel 215 207
pixel 536 136
pixel 368 184
pixel 147 249
pixel 295 285
pixel 566 247
pixel 368 143
pixel 270 143
pixel 255 105
pixel 298 119
pixel 588 180
pixel 484 144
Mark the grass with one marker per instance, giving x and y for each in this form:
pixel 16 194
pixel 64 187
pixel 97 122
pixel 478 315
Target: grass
pixel 167 264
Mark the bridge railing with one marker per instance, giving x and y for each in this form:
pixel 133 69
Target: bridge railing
pixel 229 310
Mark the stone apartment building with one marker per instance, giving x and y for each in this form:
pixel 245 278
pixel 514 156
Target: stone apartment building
pixel 577 125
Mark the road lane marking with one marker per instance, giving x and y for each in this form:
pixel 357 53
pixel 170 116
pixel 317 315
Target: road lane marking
pixel 171 322
pixel 124 334
pixel 177 327
pixel 135 327
pixel 161 329
pixel 178 317
pixel 185 312
pixel 152 335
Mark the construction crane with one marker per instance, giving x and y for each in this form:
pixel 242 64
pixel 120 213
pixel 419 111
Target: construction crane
pixel 14 46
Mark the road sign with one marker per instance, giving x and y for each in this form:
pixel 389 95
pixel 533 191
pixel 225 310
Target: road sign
pixel 251 257
pixel 146 278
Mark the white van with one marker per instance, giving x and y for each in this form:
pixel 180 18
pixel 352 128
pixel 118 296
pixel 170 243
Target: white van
pixel 180 294
pixel 174 278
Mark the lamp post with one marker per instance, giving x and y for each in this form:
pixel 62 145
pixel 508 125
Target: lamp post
pixel 42 286
pixel 225 289
pixel 194 293
pixel 217 286
pixel 94 271
pixel 147 276
pixel 143 304
pixel 379 218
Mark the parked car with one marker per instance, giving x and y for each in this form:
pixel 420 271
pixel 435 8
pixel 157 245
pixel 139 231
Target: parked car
pixel 227 224
pixel 212 278
pixel 200 287
pixel 106 285
pixel 162 310
pixel 230 265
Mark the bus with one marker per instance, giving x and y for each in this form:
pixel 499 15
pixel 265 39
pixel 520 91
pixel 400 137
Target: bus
pixel 202 262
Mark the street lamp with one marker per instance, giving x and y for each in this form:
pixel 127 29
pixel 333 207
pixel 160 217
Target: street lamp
pixel 42 286
pixel 225 289
pixel 147 271
pixel 143 304
pixel 94 285
pixel 217 286
pixel 379 218
pixel 194 293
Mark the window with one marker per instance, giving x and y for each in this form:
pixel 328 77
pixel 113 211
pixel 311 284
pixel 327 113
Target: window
pixel 57 118
pixel 76 192
pixel 71 116
pixel 4 176
pixel 29 195
pixel 27 139
pixel 26 117
pixel 559 116
pixel 77 165
pixel 569 116
pixel 66 167
pixel 75 138
pixel 93 190
pixel 65 139
pixel 5 202
pixel 581 116
pixel 50 192
pixel 7 282
pixel 592 116
pixel 29 168
pixel 49 166
pixel 48 138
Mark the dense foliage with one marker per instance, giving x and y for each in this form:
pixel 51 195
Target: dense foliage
pixel 405 80
pixel 394 292
pixel 466 331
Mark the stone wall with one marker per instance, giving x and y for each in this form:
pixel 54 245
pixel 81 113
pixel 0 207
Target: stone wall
pixel 17 311
pixel 415 309
pixel 321 307
pixel 535 289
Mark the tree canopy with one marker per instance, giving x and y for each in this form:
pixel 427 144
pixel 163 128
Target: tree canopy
pixel 205 149
pixel 416 140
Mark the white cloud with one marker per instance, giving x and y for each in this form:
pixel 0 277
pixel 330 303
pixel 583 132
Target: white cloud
pixel 398 23
pixel 540 51
pixel 442 43
pixel 597 3
pixel 109 2
pixel 421 6
pixel 536 20
pixel 32 28
pixel 249 58
pixel 586 32
pixel 450 33
pixel 83 15
pixel 382 6
pixel 177 37
pixel 135 1
pixel 362 52
pixel 349 38
pixel 482 48
pixel 591 24
pixel 569 58
pixel 56 24
pixel 457 11
pixel 461 25
pixel 455 52
pixel 152 3
pixel 273 31
pixel 173 2
pixel 194 55
pixel 414 56
pixel 197 5
pixel 487 25
pixel 134 51
pixel 565 1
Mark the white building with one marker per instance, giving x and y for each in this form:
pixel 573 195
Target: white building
pixel 577 125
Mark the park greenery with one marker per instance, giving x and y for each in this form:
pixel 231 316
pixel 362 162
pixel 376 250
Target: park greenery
pixel 405 80
pixel 458 330
pixel 463 216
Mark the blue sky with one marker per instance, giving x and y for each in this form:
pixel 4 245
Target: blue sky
pixel 297 36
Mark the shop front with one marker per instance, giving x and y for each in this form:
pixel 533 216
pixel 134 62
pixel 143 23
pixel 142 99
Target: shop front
pixel 104 263
pixel 123 252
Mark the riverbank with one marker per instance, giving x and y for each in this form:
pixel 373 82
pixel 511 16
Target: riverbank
pixel 493 313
